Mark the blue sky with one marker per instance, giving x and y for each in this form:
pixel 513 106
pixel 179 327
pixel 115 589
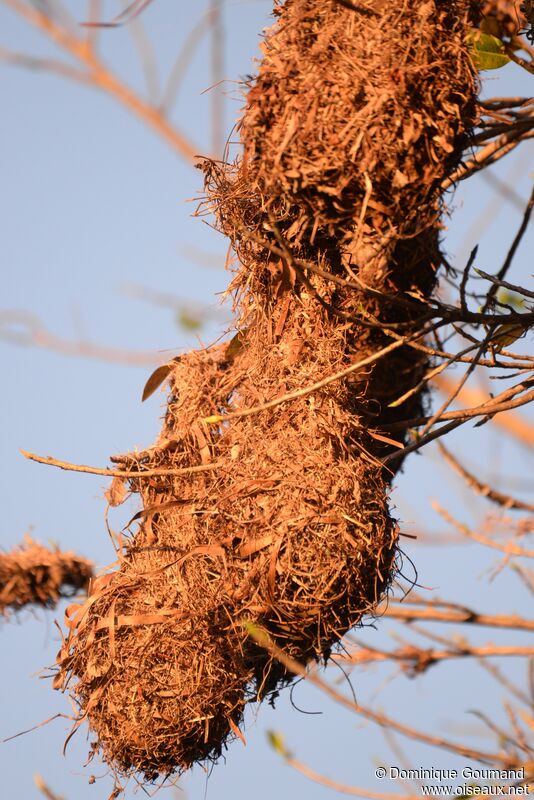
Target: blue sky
pixel 92 201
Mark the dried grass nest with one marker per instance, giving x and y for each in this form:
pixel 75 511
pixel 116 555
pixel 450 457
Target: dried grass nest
pixel 32 574
pixel 160 685
pixel 264 498
pixel 162 662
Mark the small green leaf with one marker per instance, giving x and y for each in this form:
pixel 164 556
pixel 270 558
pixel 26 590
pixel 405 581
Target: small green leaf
pixel 250 627
pixel 506 334
pixel 276 740
pixel 257 633
pixel 487 52
pixel 396 403
pixel 188 321
pixel 511 299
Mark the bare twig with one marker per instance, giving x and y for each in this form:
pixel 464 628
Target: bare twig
pixel 514 424
pixel 45 790
pixel 504 682
pixel 343 788
pixel 293 666
pixel 509 548
pixel 511 252
pixel 45 64
pixel 101 76
pixel 420 659
pixel 147 59
pixel 314 387
pixel 496 406
pixel 521 62
pixel 217 74
pixel 182 61
pixel 489 154
pixel 453 613
pixel 116 473
pixel 504 500
pixel 24 328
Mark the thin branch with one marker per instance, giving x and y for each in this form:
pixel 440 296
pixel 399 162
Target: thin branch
pixel 439 414
pixel 505 189
pixel 521 62
pixel 205 312
pixel 263 640
pixel 488 155
pixel 504 682
pixel 504 500
pixel 509 548
pixel 343 788
pixel 133 10
pixel 55 66
pixel 217 74
pixel 26 329
pixel 457 614
pixel 101 76
pixel 146 58
pixel 45 790
pixel 420 659
pixel 116 473
pixel 182 61
pixel 511 252
pixel 501 283
pixel 514 424
pixel 93 15
pixel 505 102
pixel 526 576
pixel 298 393
pixel 488 410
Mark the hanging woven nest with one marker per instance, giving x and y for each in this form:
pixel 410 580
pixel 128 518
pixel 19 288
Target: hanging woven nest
pixel 296 508
pixel 32 574
pixel 266 494
pixel 158 682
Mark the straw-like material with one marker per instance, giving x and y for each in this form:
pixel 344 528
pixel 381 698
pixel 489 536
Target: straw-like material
pixel 333 210
pixel 159 689
pixel 503 18
pixel 32 574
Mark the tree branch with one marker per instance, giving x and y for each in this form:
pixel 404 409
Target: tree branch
pixel 102 77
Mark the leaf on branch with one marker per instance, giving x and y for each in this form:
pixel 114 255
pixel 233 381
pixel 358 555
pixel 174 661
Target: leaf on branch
pixel 487 52
pixel 506 334
pixel 505 297
pixel 155 380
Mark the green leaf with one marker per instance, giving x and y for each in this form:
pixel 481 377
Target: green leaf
pixel 487 52
pixel 507 334
pixel 511 299
pixel 256 632
pixel 188 321
pixel 276 740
